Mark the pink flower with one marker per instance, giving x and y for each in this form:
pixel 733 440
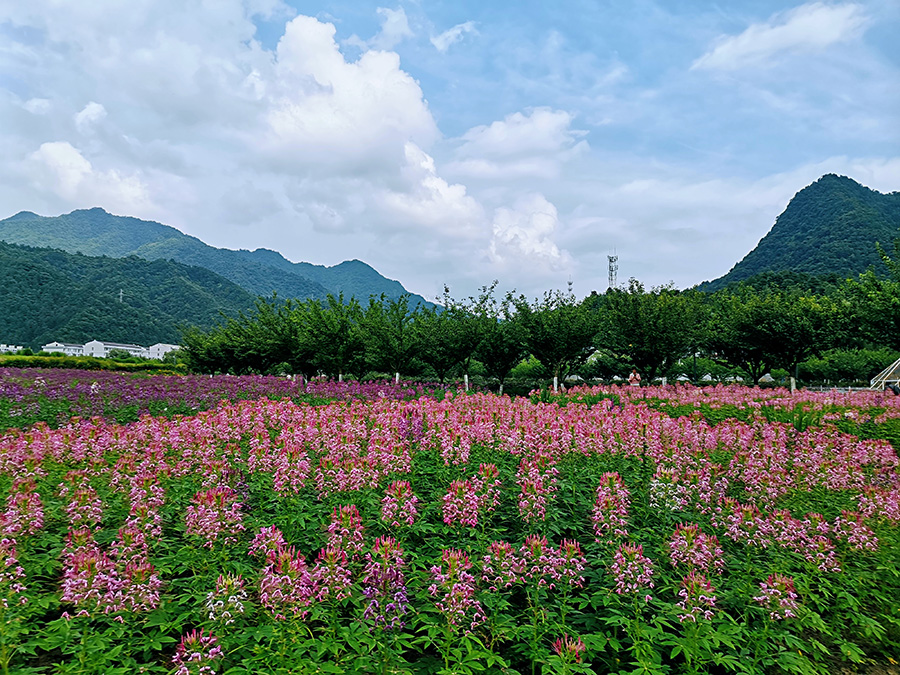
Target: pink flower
pixel 267 541
pixel 455 586
pixel 461 504
pixel 501 567
pixel 569 649
pixel 345 531
pixel 610 513
pixel 632 570
pixel 398 507
pixel 691 547
pixel 196 654
pixel 487 487
pixel 331 575
pixel 778 596
pixel 11 573
pixel 851 528
pixel 286 585
pixel 697 598
pixel 214 513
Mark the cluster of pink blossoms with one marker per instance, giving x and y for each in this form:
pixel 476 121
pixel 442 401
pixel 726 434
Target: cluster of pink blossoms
pixel 12 589
pixel 610 513
pixel 285 585
pixel 269 540
pixel 24 513
pixel 487 487
pixel 778 596
pixel 398 506
pixel 691 547
pixel 456 587
pixel 214 514
pixel 460 504
pixel 632 570
pixel 548 566
pixel 569 649
pixel 502 566
pixel 697 598
pixel 196 654
pixel 537 479
pixel 331 575
pixel 345 531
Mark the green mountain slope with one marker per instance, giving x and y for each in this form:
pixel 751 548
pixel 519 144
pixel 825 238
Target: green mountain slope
pixel 48 294
pixel 829 227
pixel 96 232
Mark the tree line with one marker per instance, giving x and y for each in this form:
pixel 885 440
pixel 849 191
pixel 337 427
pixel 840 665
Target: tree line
pixel 748 329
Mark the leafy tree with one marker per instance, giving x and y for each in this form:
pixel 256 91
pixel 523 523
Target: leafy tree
pixel 651 330
pixel 388 329
pixel 502 344
pixel 559 331
pixel 333 335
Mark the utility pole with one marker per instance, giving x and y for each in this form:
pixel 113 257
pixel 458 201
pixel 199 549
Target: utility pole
pixel 613 269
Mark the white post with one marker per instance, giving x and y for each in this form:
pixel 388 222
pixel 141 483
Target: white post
pixel 665 381
pixel 501 389
pixel 466 380
pixel 555 384
pixel 793 384
pixel 396 378
pixel 340 377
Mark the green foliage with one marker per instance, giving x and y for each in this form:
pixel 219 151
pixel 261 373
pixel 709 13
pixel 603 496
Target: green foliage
pixel 86 363
pixel 829 227
pixel 48 295
pixel 651 330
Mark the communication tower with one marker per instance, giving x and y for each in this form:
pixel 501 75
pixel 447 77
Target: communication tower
pixel 613 269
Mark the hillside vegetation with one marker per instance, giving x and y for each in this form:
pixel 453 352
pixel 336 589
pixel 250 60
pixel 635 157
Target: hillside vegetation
pixel 48 294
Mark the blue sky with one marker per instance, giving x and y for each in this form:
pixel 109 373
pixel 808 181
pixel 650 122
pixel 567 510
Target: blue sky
pixel 451 143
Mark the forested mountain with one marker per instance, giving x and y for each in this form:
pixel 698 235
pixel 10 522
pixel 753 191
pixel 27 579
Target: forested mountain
pixel 96 232
pixel 828 228
pixel 48 294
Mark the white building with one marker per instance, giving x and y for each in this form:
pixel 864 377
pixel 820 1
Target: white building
pixel 160 349
pixel 66 348
pixel 102 349
pixel 10 349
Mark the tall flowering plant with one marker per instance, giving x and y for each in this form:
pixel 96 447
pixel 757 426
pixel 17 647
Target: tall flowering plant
pixel 398 506
pixel 384 586
pixel 214 515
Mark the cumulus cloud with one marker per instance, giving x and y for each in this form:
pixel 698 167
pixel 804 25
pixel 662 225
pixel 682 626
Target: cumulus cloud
pixel 451 36
pixel 91 114
pixel 37 106
pixel 522 236
pixel 329 113
pixel 810 27
pixel 535 143
pixel 64 170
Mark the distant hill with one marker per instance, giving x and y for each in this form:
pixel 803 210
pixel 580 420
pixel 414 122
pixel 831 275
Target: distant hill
pixel 261 272
pixel 828 228
pixel 48 294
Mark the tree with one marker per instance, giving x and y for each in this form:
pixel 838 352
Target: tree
pixel 756 332
pixel 559 331
pixel 502 344
pixel 333 334
pixel 651 330
pixel 389 334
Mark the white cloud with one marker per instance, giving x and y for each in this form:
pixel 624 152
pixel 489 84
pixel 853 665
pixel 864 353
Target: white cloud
pixel 523 237
pixel 451 36
pixel 535 143
pixel 394 28
pixel 810 27
pixel 329 114
pixel 37 106
pixel 89 115
pixel 64 170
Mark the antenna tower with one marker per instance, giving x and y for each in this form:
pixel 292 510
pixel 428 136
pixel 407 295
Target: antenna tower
pixel 613 269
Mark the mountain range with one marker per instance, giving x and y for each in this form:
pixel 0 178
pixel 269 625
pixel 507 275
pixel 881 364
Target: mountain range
pixel 94 232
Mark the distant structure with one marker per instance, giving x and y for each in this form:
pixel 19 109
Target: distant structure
pixel 10 349
pixel 102 349
pixel 613 269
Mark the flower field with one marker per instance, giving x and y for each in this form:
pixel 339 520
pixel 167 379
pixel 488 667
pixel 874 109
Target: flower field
pixel 669 530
